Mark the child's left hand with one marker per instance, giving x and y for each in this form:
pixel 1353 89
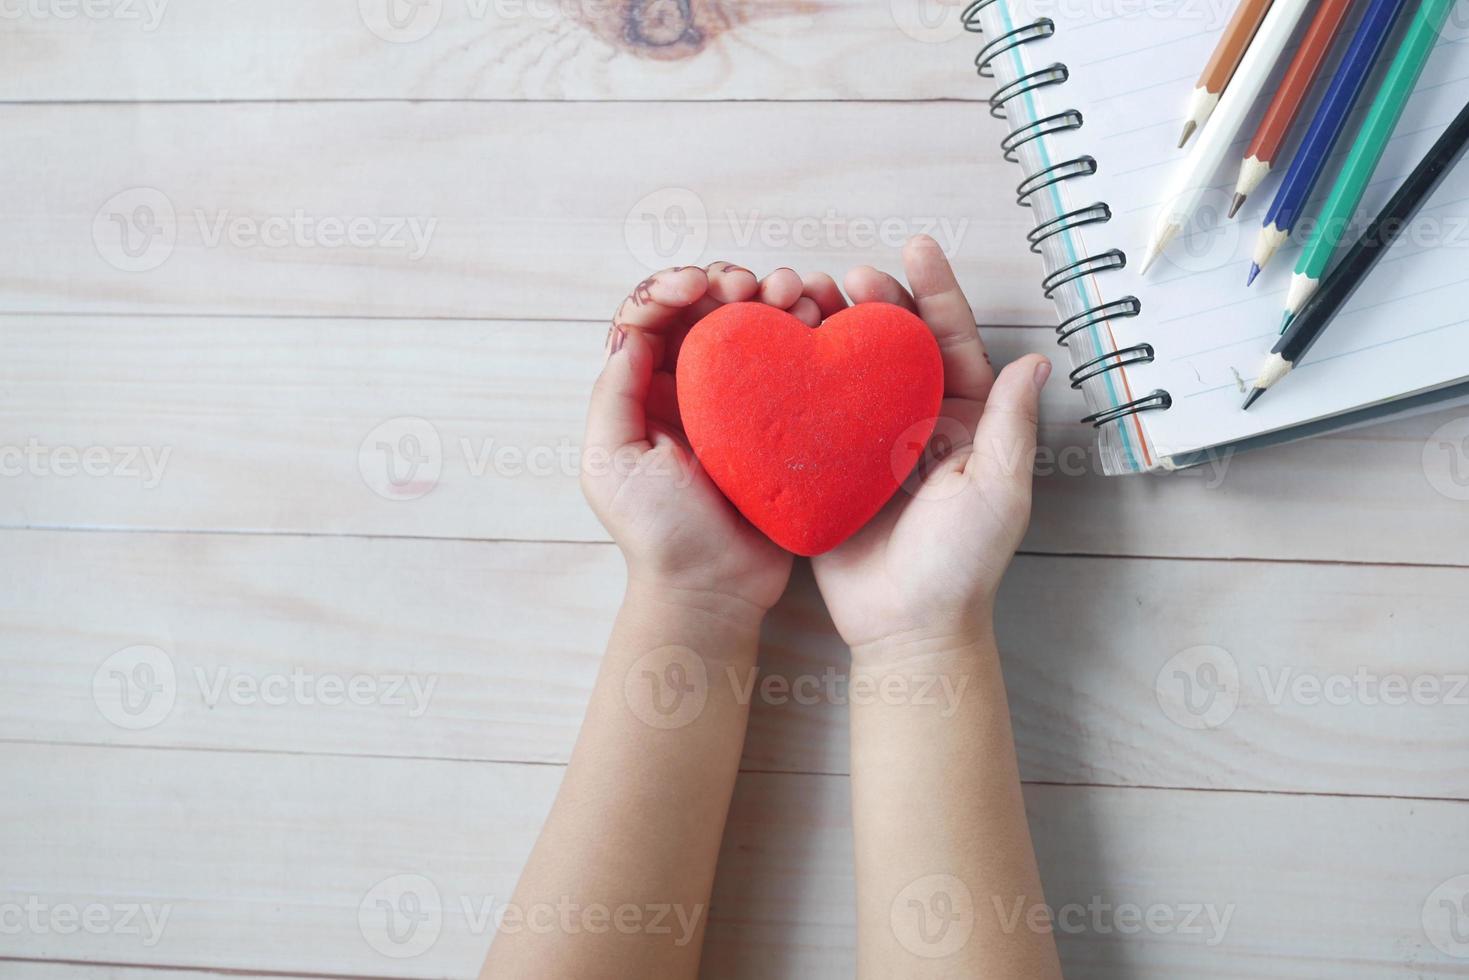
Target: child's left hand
pixel 679 535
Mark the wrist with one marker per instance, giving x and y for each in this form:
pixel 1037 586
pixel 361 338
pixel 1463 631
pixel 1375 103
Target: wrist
pixel 663 597
pixel 968 639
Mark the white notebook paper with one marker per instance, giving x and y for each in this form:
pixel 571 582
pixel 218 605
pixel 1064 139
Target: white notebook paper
pixel 1107 84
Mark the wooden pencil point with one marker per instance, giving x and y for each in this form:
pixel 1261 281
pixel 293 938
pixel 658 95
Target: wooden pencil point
pixel 1188 130
pixel 1236 204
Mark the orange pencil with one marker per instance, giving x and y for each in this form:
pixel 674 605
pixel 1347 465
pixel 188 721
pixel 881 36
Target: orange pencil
pixel 1238 34
pixel 1281 115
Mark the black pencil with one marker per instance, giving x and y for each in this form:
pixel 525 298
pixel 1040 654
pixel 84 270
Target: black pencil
pixel 1339 285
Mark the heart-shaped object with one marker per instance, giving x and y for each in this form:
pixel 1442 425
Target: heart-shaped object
pixel 809 432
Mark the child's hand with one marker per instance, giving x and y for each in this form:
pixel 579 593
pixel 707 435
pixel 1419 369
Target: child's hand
pixel 681 538
pixel 923 574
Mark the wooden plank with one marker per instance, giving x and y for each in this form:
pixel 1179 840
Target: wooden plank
pixel 1326 679
pixel 317 419
pixel 484 49
pixel 238 846
pixel 527 210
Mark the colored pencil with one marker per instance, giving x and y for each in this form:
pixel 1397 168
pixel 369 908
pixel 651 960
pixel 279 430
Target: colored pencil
pixel 1319 311
pixel 1221 66
pixel 1326 128
pixel 1191 180
pixel 1377 128
pixel 1281 114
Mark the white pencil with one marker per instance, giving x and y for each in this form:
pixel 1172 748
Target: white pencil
pixel 1218 134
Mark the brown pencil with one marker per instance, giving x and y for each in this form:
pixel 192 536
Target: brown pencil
pixel 1281 115
pixel 1226 57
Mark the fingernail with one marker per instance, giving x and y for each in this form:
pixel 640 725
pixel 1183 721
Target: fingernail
pixel 1042 373
pixel 615 341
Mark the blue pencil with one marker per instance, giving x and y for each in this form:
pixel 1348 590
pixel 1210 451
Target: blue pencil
pixel 1330 119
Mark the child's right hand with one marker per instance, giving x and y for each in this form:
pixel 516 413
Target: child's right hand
pixel 681 538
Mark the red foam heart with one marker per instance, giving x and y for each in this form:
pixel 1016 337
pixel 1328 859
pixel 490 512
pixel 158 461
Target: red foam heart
pixel 809 432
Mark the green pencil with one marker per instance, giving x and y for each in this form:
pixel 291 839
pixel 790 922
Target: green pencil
pixel 1351 183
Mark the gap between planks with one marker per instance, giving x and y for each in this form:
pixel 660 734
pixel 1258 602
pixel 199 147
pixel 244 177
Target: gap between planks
pixel 752 770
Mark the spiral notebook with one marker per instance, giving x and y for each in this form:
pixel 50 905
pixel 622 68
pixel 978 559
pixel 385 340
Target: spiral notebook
pixel 1093 95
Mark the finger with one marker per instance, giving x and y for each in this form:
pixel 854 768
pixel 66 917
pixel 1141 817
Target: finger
pixel 867 285
pixel 806 310
pixel 941 304
pixel 781 289
pixel 1004 441
pixel 823 291
pixel 658 302
pixel 730 283
pixel 617 416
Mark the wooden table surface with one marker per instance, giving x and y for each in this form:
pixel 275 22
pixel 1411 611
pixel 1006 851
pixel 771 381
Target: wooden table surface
pixel 300 605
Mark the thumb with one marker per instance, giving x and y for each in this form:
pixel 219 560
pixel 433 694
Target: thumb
pixel 1004 441
pixel 616 416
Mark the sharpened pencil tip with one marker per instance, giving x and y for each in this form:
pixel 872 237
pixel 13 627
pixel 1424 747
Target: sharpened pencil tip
pixel 1251 398
pixel 1254 271
pixel 1188 130
pixel 1285 319
pixel 1236 204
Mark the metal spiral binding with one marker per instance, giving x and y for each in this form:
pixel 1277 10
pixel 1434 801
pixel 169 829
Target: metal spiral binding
pixel 1096 213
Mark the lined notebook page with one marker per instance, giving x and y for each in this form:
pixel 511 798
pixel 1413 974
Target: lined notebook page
pixel 1132 66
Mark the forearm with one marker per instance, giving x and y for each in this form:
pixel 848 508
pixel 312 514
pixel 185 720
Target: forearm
pixel 939 821
pixel 636 826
